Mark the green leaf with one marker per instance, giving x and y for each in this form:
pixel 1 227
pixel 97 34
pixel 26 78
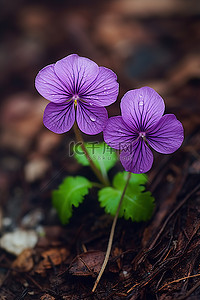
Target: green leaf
pixel 70 193
pixel 103 156
pixel 137 204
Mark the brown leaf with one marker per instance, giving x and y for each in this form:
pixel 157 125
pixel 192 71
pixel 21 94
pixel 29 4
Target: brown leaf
pixel 52 257
pixel 87 264
pixel 47 297
pixel 24 262
pixel 47 141
pixel 118 252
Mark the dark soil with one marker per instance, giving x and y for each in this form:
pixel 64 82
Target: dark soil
pixel 158 46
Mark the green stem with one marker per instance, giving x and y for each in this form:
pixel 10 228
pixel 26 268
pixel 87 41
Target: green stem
pixel 111 235
pixel 98 174
pixel 97 184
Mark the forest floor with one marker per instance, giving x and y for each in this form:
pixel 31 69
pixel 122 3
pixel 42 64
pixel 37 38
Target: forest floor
pixel 158 259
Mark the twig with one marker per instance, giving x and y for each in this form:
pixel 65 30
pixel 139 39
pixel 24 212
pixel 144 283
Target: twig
pixel 177 280
pixel 111 236
pixel 172 213
pixel 189 292
pixel 34 282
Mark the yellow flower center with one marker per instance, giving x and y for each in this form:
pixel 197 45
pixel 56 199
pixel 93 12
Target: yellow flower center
pixel 75 98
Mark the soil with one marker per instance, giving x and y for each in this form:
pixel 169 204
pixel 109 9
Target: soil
pixel 155 45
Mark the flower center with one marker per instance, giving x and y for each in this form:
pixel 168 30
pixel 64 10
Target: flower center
pixel 75 98
pixel 142 135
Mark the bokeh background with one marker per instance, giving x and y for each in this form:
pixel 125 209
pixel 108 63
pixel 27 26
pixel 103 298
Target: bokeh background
pixel 152 43
pixel 146 42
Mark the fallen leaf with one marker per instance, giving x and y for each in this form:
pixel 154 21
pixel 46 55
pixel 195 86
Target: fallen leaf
pixel 52 257
pixel 118 252
pixel 47 141
pixel 87 264
pixel 24 262
pixel 47 297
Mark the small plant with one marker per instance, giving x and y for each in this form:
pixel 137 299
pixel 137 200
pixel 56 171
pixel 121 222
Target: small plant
pixel 79 90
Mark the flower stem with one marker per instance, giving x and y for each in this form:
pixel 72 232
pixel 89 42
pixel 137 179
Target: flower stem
pixel 111 235
pixel 98 174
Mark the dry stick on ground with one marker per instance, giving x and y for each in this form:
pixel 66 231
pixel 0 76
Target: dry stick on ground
pixel 172 213
pixel 189 292
pixel 141 256
pixel 177 280
pixel 111 235
pixel 92 165
pixel 162 229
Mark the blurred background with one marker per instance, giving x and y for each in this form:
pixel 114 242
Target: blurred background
pixel 146 42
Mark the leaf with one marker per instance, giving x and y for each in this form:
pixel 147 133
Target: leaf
pixel 70 193
pixel 137 204
pixel 103 156
pixel 87 263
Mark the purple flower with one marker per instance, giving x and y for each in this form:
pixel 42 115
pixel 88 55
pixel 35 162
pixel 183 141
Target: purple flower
pixel 140 126
pixel 78 89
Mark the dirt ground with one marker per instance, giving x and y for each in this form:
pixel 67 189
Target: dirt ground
pixel 147 43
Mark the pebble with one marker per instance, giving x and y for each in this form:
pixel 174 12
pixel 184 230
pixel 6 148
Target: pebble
pixel 36 168
pixel 17 241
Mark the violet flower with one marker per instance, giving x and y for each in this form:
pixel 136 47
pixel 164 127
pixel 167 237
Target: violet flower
pixel 78 89
pixel 140 126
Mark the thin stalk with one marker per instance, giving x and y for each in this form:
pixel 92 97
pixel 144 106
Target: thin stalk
pixel 111 235
pixel 97 184
pixel 98 174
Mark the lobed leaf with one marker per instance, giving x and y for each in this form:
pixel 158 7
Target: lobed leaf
pixel 103 156
pixel 137 204
pixel 70 193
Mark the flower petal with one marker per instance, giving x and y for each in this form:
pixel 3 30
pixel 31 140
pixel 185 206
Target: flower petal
pixel 59 118
pixel 142 108
pixel 50 86
pixel 91 119
pixel 76 72
pixel 103 91
pixel 138 159
pixel 167 135
pixel 117 134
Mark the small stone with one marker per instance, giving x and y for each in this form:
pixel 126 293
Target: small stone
pixel 36 168
pixel 6 222
pixel 17 241
pixel 32 219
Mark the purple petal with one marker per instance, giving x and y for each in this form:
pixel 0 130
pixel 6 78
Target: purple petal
pixel 117 134
pixel 103 91
pixel 138 159
pixel 142 108
pixel 50 86
pixel 77 72
pixel 91 119
pixel 167 135
pixel 59 118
